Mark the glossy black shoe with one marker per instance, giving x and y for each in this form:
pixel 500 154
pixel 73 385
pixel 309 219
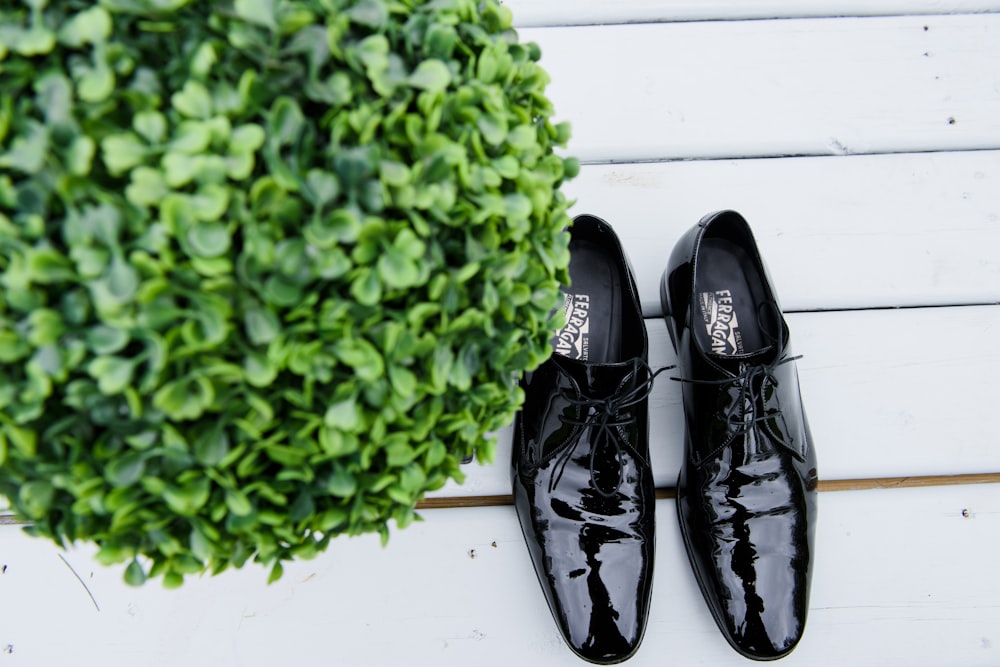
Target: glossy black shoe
pixel 746 495
pixel 582 484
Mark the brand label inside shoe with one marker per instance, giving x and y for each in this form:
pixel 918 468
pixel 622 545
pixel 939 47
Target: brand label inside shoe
pixel 573 340
pixel 721 322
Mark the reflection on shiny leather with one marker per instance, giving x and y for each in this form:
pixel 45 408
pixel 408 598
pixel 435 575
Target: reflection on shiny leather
pixel 582 484
pixel 747 488
pixel 589 528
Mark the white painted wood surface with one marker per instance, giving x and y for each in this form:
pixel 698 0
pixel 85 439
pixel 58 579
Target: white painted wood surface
pixel 901 578
pixel 888 393
pixel 891 204
pixel 867 231
pixel 595 12
pixel 722 89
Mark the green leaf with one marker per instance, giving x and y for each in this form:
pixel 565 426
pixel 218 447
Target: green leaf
pixel 121 152
pixel 184 399
pixel 28 151
pixel 193 100
pixel 259 12
pixel 191 137
pixel 285 120
pixel 90 262
pixel 246 138
pixel 281 292
pixel 431 75
pixel 259 372
pixel 367 288
pixel 201 546
pixel 397 270
pixel 239 166
pixel 262 325
pixel 151 125
pixel 517 206
pixel 522 137
pixel 341 483
pixel 24 440
pixel 238 503
pixel 122 280
pixel 395 174
pixel 36 41
pixel 95 84
pixel 209 239
pixel 203 60
pixel 134 574
pixel 412 479
pixel 507 166
pixel 493 127
pixel 322 187
pixel 179 169
pixel 335 442
pixel 371 13
pixel 404 382
pixel 211 447
pixel 210 202
pixel 147 187
pixel 374 53
pixel 276 573
pixel 399 453
pixel 36 498
pixel 90 26
pixel 80 155
pixel 344 224
pixel 363 357
pixel 126 469
pixel 440 40
pixel 344 415
pixel 186 500
pixel 113 374
pixel 176 214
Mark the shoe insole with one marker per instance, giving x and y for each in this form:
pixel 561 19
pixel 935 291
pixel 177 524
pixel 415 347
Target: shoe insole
pixel 730 297
pixel 593 306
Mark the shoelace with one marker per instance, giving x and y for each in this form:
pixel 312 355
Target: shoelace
pixel 602 417
pixel 750 388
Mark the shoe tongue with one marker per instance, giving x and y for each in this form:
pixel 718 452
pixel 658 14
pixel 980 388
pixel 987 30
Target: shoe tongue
pixel 734 363
pixel 591 377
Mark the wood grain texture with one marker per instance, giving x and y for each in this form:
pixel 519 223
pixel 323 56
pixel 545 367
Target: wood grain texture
pixel 889 393
pixel 600 12
pixel 726 89
pixel 901 578
pixel 837 232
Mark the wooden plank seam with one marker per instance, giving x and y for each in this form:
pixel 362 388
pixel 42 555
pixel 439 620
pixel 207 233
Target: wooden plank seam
pixel 830 485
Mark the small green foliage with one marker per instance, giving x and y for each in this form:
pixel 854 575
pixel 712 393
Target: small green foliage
pixel 269 269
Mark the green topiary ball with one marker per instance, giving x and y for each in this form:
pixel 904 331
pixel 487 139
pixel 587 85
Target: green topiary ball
pixel 270 268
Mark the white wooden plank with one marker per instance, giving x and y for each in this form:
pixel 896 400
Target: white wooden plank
pixel 764 88
pixel 837 232
pixel 901 578
pixel 888 393
pixel 591 12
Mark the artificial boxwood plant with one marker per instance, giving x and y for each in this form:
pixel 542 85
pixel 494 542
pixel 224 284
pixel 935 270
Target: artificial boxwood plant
pixel 270 268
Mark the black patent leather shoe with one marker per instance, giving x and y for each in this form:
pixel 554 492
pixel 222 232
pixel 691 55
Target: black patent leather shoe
pixel 583 488
pixel 746 494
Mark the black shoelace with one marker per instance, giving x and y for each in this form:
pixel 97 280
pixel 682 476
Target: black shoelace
pixel 603 415
pixel 751 383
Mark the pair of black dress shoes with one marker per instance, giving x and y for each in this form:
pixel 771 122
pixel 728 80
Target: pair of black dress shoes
pixel 746 493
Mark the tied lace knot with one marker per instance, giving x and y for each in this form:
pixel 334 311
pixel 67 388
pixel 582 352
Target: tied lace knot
pixel 750 383
pixel 604 416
